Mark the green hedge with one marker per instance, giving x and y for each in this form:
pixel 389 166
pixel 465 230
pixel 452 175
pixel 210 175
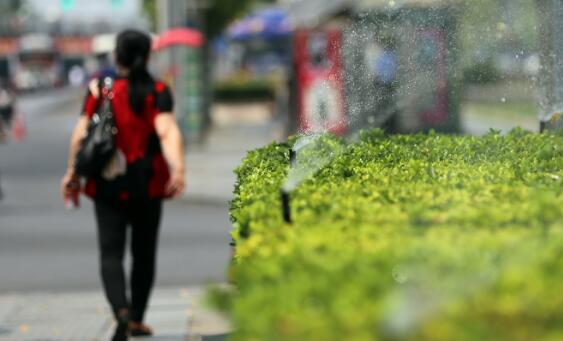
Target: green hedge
pixel 419 237
pixel 243 90
pixel 481 73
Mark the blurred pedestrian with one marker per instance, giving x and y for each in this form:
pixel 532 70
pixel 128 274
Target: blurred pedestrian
pixel 103 47
pixel 148 167
pixel 7 104
pixel 105 67
pixel 383 61
pixel 76 76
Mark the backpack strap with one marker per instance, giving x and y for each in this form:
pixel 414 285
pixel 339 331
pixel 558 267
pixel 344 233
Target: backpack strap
pixel 105 86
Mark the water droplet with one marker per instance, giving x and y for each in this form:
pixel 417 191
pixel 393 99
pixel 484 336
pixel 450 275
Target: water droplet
pixel 399 275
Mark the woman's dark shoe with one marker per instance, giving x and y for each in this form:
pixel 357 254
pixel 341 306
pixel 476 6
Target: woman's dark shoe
pixel 139 329
pixel 121 329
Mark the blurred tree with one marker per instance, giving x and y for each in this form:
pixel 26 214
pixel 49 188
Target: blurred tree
pixel 10 6
pixel 8 9
pixel 217 13
pixel 149 7
pixel 493 26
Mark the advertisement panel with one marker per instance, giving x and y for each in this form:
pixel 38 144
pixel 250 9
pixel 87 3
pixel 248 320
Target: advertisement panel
pixel 320 86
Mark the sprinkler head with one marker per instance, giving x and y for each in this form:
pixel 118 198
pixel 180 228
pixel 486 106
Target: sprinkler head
pixel 286 208
pixel 542 126
pixel 292 157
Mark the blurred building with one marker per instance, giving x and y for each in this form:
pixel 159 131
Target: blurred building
pixel 85 17
pixel 41 41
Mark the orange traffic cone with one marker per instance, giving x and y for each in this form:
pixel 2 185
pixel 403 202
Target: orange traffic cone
pixel 18 127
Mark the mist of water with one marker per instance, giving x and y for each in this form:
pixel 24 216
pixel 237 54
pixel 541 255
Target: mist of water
pixel 367 103
pixel 431 54
pixel 308 161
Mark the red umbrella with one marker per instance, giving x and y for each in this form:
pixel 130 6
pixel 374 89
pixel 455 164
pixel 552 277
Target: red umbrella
pixel 178 36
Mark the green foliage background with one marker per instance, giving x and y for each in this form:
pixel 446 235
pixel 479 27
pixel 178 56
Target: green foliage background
pixel 491 26
pixel 419 237
pixel 217 15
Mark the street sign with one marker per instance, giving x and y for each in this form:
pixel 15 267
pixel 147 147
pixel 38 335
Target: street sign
pixel 67 5
pixel 116 3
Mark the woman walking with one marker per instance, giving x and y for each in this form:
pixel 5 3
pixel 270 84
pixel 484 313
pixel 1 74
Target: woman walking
pixel 148 167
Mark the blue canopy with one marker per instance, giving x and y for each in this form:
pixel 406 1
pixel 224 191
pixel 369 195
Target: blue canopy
pixel 267 23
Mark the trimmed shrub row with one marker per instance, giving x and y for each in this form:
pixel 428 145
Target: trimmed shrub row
pixel 237 91
pixel 407 237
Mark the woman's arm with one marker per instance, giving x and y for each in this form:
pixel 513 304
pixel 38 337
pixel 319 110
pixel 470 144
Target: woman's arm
pixel 81 127
pixel 171 141
pixel 78 134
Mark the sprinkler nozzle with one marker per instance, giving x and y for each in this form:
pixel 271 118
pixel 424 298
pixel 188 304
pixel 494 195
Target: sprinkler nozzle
pixel 286 208
pixel 292 157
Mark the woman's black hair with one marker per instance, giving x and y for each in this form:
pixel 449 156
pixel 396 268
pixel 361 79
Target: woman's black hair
pixel 132 52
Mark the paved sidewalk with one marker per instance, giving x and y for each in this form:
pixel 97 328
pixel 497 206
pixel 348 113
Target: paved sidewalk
pixel 237 129
pixel 175 314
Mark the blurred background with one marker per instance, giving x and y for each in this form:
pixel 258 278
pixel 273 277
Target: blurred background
pixel 406 65
pixel 244 73
pixel 250 71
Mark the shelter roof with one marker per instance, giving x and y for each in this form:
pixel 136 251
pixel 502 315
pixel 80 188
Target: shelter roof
pixel 395 4
pixel 311 12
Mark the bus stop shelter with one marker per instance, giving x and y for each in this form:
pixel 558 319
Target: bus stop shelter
pixel 550 80
pixel 418 36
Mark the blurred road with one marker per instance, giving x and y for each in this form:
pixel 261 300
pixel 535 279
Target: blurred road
pixel 45 248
